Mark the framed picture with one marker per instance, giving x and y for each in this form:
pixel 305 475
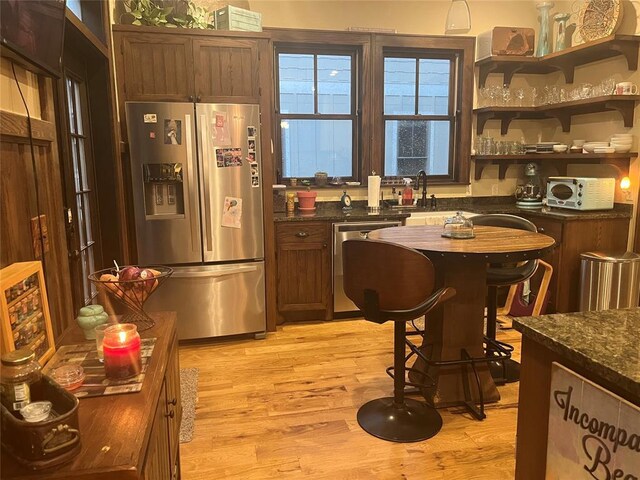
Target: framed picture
pixel 24 310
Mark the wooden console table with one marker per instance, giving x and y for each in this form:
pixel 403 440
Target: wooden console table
pixel 129 436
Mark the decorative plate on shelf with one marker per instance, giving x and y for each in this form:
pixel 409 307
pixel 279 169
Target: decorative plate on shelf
pixel 599 18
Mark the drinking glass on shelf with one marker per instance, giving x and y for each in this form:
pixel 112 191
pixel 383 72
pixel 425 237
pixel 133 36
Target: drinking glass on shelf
pixel 586 90
pixel 506 95
pixel 608 85
pixel 519 95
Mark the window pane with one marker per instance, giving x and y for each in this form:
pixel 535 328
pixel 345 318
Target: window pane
pixel 81 223
pixel 74 6
pixel 414 145
pixel 76 169
pixel 71 107
pixel 78 108
pixel 399 86
pixel 296 83
pixel 334 84
pixel 310 146
pixel 433 89
pixel 87 216
pixel 86 270
pixel 82 164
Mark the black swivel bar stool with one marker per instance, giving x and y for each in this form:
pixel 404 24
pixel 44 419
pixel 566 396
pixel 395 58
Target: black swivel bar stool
pixel 390 282
pixel 504 370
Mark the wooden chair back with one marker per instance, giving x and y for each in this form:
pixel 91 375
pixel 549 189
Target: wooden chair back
pixel 402 277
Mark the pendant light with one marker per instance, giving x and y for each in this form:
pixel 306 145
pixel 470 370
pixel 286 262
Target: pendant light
pixel 458 17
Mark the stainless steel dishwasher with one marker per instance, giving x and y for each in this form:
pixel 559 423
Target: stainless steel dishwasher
pixel 342 232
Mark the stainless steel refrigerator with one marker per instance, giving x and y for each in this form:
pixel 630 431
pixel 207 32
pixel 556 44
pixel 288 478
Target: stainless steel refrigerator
pixel 197 191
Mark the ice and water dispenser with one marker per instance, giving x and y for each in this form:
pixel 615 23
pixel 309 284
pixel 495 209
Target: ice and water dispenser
pixel 163 190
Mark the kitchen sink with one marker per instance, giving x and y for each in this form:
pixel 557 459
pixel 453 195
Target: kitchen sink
pixel 433 218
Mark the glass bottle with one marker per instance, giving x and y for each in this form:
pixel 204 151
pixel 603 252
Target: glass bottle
pixel 561 39
pixel 20 371
pixel 544 39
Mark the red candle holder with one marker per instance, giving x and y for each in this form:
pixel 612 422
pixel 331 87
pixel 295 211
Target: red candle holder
pixel 121 347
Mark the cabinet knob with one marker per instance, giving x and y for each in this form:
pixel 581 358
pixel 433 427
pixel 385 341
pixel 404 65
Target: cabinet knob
pixel 172 402
pixel 198 98
pixel 171 414
pixel 191 98
pixel 540 230
pixel 302 234
pixel 324 245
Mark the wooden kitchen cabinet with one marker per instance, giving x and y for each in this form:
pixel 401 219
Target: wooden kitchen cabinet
pixel 182 67
pixel 226 70
pixel 155 67
pixel 303 258
pixel 574 237
pixel 131 436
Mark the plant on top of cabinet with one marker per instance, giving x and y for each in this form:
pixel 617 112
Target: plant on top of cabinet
pixel 164 13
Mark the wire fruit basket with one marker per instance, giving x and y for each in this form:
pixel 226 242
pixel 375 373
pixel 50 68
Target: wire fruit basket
pixel 132 286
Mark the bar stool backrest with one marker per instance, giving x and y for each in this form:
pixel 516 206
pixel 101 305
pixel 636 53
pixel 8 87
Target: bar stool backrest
pixel 402 277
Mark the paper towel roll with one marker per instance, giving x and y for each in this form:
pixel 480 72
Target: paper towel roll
pixel 374 191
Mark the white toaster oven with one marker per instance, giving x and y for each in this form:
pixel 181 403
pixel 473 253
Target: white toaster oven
pixel 581 193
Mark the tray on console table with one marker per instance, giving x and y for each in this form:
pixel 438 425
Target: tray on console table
pixel 116 430
pixel 96 382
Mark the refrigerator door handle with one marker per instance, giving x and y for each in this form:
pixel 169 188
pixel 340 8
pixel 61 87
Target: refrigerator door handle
pixel 218 272
pixel 206 207
pixel 191 179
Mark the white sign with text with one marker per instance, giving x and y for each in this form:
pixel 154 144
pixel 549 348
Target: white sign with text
pixel 593 434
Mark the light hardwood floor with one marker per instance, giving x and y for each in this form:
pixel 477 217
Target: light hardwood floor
pixel 285 407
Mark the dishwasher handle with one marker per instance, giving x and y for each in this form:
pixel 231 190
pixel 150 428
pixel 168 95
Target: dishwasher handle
pixel 363 227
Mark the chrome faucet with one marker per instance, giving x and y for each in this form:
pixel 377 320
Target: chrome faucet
pixel 422 175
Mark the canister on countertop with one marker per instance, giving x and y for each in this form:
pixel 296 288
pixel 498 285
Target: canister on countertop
pixel 20 370
pixel 291 202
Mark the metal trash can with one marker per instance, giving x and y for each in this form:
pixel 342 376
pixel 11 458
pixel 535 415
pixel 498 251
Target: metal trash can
pixel 609 280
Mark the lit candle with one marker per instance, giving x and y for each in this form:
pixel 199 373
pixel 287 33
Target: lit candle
pixel 121 348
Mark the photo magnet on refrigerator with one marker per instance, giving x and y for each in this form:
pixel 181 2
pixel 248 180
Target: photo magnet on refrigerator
pixel 232 212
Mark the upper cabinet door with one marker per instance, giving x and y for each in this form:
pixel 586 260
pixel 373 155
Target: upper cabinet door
pixel 226 70
pixel 157 68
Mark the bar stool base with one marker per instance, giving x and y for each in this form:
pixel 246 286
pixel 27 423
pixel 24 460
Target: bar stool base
pixel 412 422
pixel 510 373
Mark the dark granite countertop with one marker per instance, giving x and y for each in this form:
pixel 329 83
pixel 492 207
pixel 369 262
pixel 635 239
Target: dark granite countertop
pixel 331 211
pixel 606 342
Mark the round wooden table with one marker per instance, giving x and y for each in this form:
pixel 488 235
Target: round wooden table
pixel 459 323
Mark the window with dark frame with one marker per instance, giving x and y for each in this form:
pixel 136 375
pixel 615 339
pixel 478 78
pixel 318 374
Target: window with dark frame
pixel 317 111
pixel 419 113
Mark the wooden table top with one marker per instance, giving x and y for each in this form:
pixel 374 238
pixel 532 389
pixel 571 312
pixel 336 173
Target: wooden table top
pixel 114 429
pixel 491 244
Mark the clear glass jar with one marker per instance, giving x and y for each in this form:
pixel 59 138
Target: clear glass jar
pixel 458 226
pixel 20 371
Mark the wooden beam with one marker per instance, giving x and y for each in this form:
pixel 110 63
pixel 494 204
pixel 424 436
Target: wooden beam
pixel 14 125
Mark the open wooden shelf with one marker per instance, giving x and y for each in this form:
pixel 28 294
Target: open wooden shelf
pixel 563 112
pixel 564 61
pixel 559 160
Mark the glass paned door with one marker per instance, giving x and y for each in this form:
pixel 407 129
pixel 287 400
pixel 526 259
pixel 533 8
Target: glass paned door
pixel 84 251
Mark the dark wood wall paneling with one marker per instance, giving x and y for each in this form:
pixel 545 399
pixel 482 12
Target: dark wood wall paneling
pixel 18 179
pixel 18 205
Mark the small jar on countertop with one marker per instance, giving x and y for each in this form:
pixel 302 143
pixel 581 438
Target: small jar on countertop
pixel 291 202
pixel 89 318
pixel 20 371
